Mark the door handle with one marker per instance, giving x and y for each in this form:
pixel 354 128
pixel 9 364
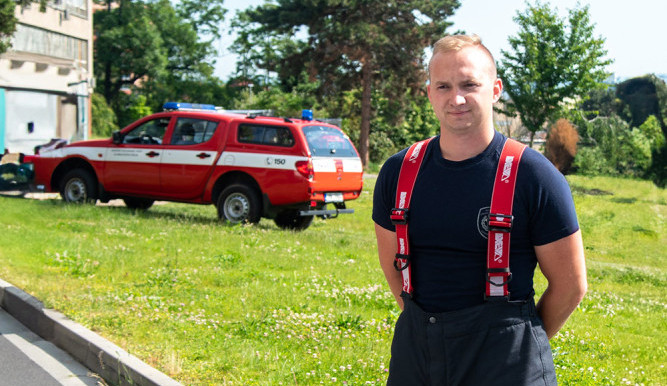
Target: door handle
pixel 203 155
pixel 152 154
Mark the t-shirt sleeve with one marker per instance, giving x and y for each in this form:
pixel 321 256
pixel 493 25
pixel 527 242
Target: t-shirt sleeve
pixel 552 211
pixel 384 195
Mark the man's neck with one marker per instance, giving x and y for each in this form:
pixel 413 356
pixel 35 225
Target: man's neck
pixel 462 146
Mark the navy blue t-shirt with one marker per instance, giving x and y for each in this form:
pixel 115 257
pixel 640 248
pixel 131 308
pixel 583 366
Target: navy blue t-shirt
pixel 448 222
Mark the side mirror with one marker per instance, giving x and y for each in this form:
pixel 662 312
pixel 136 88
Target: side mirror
pixel 117 138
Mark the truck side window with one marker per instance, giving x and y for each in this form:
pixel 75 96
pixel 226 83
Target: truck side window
pixel 189 131
pixel 148 133
pixel 265 135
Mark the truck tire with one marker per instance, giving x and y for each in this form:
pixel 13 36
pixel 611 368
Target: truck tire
pixel 78 186
pixel 239 203
pixel 290 219
pixel 138 203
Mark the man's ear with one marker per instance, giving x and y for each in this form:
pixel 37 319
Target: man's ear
pixel 497 89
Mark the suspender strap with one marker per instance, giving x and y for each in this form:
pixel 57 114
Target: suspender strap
pixel 400 213
pixel 500 221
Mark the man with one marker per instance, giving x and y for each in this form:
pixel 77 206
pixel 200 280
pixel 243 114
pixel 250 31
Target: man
pixel 448 332
pixel 187 135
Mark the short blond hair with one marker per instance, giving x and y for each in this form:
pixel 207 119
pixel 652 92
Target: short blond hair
pixel 455 43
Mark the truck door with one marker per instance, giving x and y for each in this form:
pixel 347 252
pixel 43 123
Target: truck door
pixel 188 159
pixel 134 165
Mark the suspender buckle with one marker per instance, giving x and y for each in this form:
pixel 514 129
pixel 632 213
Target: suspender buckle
pixel 498 283
pixel 406 258
pixel 500 222
pixel 399 216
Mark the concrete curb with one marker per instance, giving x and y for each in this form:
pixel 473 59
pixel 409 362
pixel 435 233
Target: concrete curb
pixel 109 361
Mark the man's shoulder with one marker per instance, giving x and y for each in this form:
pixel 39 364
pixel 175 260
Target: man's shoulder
pixel 393 164
pixel 537 173
pixel 535 162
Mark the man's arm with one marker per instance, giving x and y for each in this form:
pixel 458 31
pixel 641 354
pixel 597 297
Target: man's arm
pixel 562 263
pixel 386 240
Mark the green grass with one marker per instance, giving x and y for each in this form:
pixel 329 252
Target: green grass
pixel 209 303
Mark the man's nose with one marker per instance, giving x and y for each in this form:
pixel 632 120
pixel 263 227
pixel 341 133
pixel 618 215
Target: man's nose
pixel 458 100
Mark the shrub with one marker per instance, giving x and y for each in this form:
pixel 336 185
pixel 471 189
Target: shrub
pixel 616 149
pixel 561 145
pixel 635 156
pixel 133 107
pixel 602 155
pixel 103 117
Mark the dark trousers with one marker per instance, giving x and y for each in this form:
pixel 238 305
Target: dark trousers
pixel 497 343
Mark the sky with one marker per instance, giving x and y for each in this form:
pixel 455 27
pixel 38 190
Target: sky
pixel 634 30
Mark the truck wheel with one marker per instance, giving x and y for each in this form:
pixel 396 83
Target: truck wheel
pixel 239 203
pixel 79 187
pixel 138 203
pixel 290 219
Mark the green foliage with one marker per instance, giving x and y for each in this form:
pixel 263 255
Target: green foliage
pixel 204 17
pixel 550 60
pixel 7 23
pixel 616 149
pixel 653 133
pixel 118 62
pixel 134 106
pixel 643 96
pixel 284 104
pixel 393 129
pixel 601 102
pixel 8 19
pixel 174 62
pixel 658 172
pixel 104 119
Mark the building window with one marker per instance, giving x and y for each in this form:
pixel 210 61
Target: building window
pixel 72 7
pixel 48 43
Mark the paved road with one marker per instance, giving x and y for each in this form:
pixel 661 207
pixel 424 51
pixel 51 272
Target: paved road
pixel 28 360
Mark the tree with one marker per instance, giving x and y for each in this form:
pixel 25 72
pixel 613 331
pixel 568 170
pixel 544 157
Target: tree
pixel 8 19
pixel 371 44
pixel 128 47
pixel 601 102
pixel 157 47
pixel 7 23
pixel 644 96
pixel 550 60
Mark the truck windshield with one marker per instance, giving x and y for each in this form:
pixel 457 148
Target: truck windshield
pixel 325 141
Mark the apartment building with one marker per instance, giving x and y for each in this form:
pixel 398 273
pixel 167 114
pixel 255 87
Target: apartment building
pixel 46 77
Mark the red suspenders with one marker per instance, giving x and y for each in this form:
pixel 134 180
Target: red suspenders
pixel 500 215
pixel 399 214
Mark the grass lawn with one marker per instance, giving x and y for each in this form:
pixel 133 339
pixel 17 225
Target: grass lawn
pixel 208 303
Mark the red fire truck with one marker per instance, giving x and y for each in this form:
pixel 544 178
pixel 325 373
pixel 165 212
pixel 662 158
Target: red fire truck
pixel 249 166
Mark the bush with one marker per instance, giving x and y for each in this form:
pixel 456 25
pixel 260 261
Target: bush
pixel 616 149
pixel 603 154
pixel 635 154
pixel 561 145
pixel 103 117
pixel 133 107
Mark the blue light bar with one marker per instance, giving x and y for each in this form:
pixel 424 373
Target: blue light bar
pixel 307 115
pixel 186 106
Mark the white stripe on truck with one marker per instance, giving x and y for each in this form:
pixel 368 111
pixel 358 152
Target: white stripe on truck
pixel 197 157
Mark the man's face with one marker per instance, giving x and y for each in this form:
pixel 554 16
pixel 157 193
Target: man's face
pixel 462 90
